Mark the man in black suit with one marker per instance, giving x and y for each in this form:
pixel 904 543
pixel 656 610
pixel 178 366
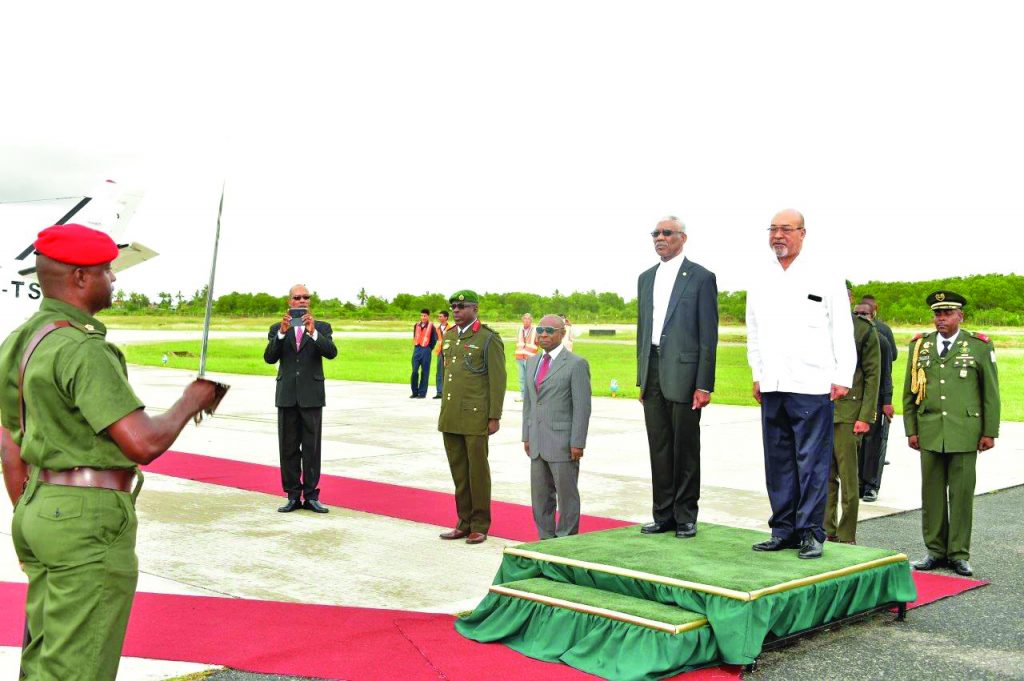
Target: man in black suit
pixel 676 340
pixel 299 352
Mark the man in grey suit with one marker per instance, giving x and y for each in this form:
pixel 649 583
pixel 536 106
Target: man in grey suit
pixel 676 341
pixel 556 416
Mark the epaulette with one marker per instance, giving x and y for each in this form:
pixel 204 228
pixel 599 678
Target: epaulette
pixel 917 337
pixel 980 336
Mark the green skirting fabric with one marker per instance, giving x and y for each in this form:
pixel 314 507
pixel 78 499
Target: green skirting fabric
pixel 739 627
pixel 596 645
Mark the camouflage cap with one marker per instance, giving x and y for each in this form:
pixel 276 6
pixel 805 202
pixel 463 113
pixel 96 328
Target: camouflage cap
pixel 945 300
pixel 465 296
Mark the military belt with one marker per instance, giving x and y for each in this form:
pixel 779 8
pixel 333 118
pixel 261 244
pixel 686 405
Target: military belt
pixel 119 479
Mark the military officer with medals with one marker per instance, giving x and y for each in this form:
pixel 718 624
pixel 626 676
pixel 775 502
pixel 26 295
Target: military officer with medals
pixel 950 413
pixel 73 432
pixel 471 404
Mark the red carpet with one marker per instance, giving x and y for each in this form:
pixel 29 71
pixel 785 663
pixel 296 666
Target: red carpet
pixel 335 642
pixel 932 587
pixel 322 641
pixel 509 521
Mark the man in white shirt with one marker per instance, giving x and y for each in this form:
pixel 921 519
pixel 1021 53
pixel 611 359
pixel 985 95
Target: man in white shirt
pixel 801 352
pixel 676 342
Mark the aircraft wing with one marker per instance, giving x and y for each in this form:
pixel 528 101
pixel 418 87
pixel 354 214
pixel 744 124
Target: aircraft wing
pixel 129 255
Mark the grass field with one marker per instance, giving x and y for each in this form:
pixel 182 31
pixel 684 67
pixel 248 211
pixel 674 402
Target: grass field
pixel 388 360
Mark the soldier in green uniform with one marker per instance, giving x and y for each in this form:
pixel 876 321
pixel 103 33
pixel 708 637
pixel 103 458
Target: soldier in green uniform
pixel 950 413
pixel 73 432
pixel 473 395
pixel 853 415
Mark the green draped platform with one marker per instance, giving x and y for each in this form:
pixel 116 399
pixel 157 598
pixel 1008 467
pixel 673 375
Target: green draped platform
pixel 549 598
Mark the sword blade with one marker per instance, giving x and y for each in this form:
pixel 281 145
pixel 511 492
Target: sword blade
pixel 209 288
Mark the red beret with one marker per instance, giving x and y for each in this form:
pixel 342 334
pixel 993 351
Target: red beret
pixel 76 245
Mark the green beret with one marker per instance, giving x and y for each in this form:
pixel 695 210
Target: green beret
pixel 945 300
pixel 465 296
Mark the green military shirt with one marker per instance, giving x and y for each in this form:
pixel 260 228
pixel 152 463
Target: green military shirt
pixel 76 386
pixel 861 402
pixel 474 380
pixel 961 393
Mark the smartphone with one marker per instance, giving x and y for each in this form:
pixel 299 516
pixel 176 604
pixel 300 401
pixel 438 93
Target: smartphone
pixel 297 314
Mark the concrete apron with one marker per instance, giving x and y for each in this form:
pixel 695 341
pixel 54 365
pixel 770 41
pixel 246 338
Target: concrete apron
pixel 196 538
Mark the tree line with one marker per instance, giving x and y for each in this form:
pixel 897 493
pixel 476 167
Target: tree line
pixel 993 300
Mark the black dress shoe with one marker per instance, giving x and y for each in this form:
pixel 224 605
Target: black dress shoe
pixel 810 547
pixel 437 397
pixel 315 506
pixel 961 567
pixel 776 544
pixel 657 528
pixel 686 530
pixel 292 505
pixel 870 496
pixel 929 562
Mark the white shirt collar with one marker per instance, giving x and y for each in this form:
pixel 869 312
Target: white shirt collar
pixel 944 338
pixel 672 265
pixel 554 353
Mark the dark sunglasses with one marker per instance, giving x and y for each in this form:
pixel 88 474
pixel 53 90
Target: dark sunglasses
pixel 300 297
pixel 665 232
pixel 461 306
pixel 547 329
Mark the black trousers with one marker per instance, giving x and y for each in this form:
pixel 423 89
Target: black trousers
pixel 298 437
pixel 872 455
pixel 673 435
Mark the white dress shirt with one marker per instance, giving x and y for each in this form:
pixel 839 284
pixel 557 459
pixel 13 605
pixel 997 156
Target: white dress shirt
pixel 664 282
pixel 939 338
pixel 554 355
pixel 799 328
pixel 314 335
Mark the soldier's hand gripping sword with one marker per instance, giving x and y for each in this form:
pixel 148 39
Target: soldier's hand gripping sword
pixel 221 388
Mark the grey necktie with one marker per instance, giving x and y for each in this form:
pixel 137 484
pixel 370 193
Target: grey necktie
pixel 945 348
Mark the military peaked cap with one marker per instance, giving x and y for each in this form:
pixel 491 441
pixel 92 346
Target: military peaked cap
pixel 945 300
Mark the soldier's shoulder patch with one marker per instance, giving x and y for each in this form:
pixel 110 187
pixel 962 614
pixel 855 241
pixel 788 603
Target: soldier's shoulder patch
pixel 917 337
pixel 980 336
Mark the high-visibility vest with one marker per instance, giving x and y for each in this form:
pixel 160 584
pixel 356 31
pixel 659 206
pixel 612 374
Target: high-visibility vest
pixel 526 342
pixel 440 334
pixel 421 336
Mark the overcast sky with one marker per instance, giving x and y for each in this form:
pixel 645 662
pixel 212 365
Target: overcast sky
pixel 523 146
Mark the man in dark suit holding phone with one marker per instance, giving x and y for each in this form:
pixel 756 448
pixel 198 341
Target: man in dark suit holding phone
pixel 676 342
pixel 298 344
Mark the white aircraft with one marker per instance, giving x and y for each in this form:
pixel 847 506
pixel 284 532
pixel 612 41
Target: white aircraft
pixel 109 209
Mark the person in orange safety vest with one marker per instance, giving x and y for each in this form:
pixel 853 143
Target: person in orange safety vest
pixel 442 326
pixel 424 338
pixel 526 347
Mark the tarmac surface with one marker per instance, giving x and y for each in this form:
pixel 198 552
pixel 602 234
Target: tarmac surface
pixel 976 635
pixel 196 538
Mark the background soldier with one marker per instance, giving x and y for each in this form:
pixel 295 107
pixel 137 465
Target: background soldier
pixel 950 413
pixel 77 434
pixel 874 445
pixel 853 416
pixel 474 392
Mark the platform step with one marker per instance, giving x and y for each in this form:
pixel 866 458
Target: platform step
pixel 606 604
